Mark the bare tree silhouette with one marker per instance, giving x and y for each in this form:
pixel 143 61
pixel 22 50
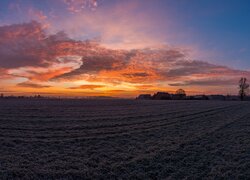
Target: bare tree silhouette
pixel 243 86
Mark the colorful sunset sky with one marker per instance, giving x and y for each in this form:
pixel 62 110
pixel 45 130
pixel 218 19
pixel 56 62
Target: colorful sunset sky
pixel 123 48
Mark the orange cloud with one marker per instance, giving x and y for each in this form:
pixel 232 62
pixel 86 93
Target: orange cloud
pixel 45 76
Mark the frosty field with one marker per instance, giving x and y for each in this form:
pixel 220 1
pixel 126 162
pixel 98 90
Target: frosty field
pixel 124 139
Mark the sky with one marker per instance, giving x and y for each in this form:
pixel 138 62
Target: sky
pixel 123 48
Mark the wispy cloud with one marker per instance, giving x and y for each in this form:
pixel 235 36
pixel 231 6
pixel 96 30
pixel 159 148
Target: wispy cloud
pixel 208 82
pixel 77 6
pixel 32 85
pixel 88 86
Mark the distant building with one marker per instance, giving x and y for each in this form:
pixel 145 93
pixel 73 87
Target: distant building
pixel 199 97
pixel 232 98
pixel 217 97
pixel 2 96
pixel 247 98
pixel 178 97
pixel 162 96
pixel 144 97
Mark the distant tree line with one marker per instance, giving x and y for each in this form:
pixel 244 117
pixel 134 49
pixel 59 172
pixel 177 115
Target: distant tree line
pixel 180 94
pixel 2 96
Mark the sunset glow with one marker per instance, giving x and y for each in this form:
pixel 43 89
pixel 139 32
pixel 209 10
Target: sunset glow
pixel 122 48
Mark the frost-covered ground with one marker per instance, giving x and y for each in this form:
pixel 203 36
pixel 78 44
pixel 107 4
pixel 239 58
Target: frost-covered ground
pixel 124 139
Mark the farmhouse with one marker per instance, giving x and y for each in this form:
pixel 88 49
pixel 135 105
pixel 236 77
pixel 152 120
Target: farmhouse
pixel 162 96
pixel 217 97
pixel 199 97
pixel 144 97
pixel 178 97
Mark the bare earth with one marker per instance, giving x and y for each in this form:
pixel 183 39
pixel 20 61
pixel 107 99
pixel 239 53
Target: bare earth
pixel 124 139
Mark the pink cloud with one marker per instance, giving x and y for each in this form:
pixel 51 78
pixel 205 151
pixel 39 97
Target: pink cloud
pixel 22 45
pixel 121 28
